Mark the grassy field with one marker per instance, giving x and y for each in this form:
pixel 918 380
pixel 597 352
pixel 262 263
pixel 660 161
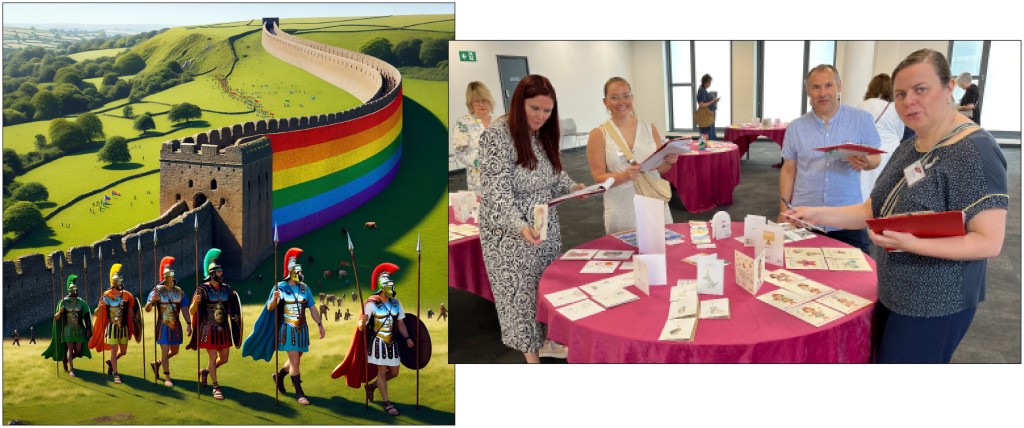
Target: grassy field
pixel 99 53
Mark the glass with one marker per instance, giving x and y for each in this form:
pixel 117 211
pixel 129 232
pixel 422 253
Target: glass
pixel 683 106
pixel 679 50
pixel 1001 100
pixel 966 56
pixel 715 58
pixel 783 79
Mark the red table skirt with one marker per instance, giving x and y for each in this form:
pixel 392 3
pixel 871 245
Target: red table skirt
pixel 742 137
pixel 705 181
pixel 466 267
pixel 755 333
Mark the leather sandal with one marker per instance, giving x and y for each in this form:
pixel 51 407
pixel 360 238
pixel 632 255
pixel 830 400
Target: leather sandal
pixel 167 379
pixel 279 380
pixel 203 373
pixel 217 392
pixel 117 378
pixel 390 408
pixel 110 368
pixel 154 365
pixel 369 391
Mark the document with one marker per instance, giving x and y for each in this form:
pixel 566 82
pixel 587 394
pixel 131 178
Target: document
pixel 586 191
pixel 922 225
pixel 565 297
pixel 849 149
pixel 580 310
pixel 655 160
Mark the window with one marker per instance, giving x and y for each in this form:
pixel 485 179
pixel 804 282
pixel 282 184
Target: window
pixel 1001 106
pixel 213 184
pixel 688 62
pixel 190 183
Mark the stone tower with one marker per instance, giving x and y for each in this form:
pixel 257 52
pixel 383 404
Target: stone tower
pixel 237 180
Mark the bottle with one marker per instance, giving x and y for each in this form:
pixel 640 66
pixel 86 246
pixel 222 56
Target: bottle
pixel 703 142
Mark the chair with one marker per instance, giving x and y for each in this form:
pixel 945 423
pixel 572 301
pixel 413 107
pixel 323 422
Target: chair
pixel 568 127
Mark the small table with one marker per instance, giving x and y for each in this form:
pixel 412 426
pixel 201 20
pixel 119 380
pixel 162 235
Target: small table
pixel 466 264
pixel 705 180
pixel 744 136
pixel 755 333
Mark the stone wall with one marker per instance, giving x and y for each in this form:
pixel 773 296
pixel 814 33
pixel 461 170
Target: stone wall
pixel 29 290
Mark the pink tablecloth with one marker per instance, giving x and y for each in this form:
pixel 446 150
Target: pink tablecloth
pixel 744 136
pixel 705 180
pixel 755 333
pixel 466 264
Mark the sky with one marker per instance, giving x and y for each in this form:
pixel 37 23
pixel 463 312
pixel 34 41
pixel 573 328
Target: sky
pixel 178 14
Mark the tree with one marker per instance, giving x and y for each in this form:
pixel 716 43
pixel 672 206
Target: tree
pixel 109 79
pixel 144 123
pixel 22 217
pixel 433 51
pixel 40 142
pixel 46 104
pixel 9 176
pixel 31 192
pixel 91 124
pixel 184 111
pixel 12 160
pixel 14 117
pixel 67 136
pixel 115 151
pixel 69 74
pixel 129 63
pixel 380 48
pixel 408 52
pixel 128 112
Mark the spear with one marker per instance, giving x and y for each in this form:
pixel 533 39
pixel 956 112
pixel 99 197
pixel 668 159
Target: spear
pixel 53 301
pixel 196 235
pixel 418 259
pixel 61 274
pixel 156 274
pixel 103 346
pixel 85 265
pixel 139 307
pixel 277 327
pixel 355 273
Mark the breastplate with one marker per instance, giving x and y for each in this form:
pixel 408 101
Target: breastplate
pixel 384 317
pixel 71 313
pixel 294 307
pixel 115 310
pixel 168 307
pixel 216 307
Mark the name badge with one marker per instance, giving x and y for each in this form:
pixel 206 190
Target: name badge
pixel 913 173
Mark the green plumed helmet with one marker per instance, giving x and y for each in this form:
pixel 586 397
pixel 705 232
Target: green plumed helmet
pixel 71 282
pixel 210 261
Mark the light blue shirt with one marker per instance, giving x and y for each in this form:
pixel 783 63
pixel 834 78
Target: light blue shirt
pixel 822 180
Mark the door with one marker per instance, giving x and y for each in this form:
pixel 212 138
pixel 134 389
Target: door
pixel 511 69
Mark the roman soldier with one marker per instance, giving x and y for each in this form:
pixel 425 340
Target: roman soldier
pixel 72 327
pixel 285 311
pixel 216 311
pixel 168 299
pixel 379 326
pixel 117 321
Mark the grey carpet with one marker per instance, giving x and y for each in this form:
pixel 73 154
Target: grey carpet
pixel 994 336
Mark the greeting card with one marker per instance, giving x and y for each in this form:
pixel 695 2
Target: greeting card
pixel 844 301
pixel 565 297
pixel 805 258
pixel 749 271
pixel 809 288
pixel 600 266
pixel 608 284
pixel 768 242
pixel 614 255
pixel 686 307
pixel 679 329
pixel 579 254
pixel 650 224
pixel 782 278
pixel 581 309
pixel 709 276
pixel 782 299
pixel 721 225
pixel 752 225
pixel 815 313
pixel 540 220
pixel 714 308
pixel 612 298
pixel 683 290
pixel 648 270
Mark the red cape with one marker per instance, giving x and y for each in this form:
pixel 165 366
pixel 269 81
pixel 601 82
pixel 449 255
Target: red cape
pixel 352 366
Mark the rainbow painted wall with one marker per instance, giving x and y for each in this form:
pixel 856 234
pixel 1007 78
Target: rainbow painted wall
pixel 323 173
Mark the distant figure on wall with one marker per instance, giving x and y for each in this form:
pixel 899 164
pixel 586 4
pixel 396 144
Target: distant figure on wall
pixel 15 338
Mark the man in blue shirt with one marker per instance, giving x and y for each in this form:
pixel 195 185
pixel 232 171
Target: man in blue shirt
pixel 812 178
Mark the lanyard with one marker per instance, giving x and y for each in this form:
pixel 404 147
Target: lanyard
pixel 889 206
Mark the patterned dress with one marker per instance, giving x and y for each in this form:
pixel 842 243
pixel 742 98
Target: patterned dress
pixel 514 265
pixel 466 142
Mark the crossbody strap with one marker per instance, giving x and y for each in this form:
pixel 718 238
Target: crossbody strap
pixel 610 128
pixel 883 112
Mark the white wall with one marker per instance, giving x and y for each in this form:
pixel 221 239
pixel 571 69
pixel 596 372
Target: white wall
pixel 577 70
pixel 649 83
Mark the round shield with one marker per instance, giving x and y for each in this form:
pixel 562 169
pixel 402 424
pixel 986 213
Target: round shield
pixel 418 356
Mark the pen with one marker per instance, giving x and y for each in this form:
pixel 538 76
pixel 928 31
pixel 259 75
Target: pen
pixel 788 205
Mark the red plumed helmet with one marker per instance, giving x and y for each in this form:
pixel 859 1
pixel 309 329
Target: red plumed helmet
pixel 291 260
pixel 165 268
pixel 383 270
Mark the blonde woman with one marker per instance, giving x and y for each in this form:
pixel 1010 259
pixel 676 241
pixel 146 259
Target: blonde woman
pixel 467 129
pixel 607 159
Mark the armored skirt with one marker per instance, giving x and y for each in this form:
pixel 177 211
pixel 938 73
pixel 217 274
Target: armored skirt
pixel 168 310
pixel 385 339
pixel 294 333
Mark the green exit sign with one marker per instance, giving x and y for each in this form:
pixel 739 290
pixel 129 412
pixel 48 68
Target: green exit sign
pixel 467 56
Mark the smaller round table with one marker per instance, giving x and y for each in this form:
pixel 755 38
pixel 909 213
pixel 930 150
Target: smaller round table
pixel 744 136
pixel 466 264
pixel 705 180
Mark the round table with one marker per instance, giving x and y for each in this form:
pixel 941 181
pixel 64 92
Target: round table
pixel 466 264
pixel 744 136
pixel 755 333
pixel 706 179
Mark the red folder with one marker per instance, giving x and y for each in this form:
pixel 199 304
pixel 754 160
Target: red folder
pixel 923 225
pixel 846 148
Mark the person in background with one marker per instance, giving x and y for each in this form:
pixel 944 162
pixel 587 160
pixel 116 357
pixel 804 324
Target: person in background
pixel 813 178
pixel 970 103
pixel 705 99
pixel 929 288
pixel 520 167
pixel 878 102
pixel 467 129
pixel 607 160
